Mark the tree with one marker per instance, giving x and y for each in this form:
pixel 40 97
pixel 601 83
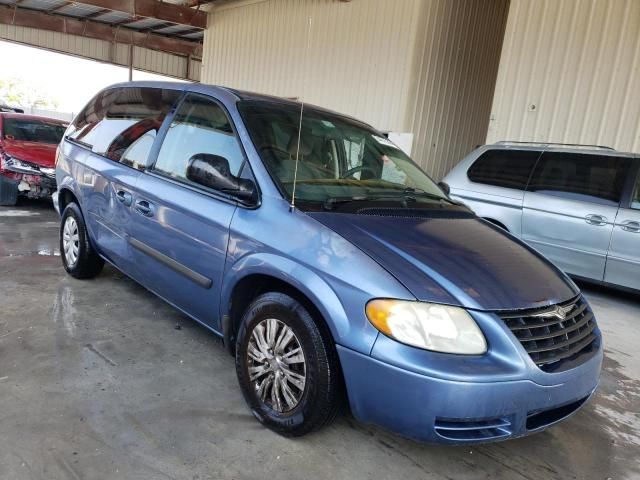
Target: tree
pixel 17 92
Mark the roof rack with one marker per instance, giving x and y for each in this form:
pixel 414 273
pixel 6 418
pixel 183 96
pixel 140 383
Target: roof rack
pixel 551 144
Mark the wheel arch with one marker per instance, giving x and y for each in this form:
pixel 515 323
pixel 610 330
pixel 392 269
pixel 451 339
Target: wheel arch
pixel 260 273
pixel 65 197
pixel 496 223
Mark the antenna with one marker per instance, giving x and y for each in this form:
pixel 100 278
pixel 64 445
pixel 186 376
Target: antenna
pixel 302 97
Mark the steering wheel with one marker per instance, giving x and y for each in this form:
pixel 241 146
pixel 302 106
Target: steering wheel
pixel 274 148
pixel 360 168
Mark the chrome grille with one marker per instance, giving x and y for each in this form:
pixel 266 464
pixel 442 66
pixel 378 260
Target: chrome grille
pixel 553 334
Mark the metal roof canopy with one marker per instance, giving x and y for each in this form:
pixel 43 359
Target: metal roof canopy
pixel 151 24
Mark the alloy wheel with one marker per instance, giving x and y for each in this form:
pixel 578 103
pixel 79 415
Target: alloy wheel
pixel 277 365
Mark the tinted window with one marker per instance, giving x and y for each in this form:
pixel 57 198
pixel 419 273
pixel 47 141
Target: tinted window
pixel 199 126
pixel 40 131
pixel 121 124
pixel 635 199
pixel 504 168
pixel 590 178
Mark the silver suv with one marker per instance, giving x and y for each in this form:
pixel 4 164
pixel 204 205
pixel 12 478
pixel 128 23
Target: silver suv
pixel 578 205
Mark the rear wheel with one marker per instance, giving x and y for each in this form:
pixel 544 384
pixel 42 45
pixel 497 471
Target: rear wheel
pixel 287 367
pixel 79 258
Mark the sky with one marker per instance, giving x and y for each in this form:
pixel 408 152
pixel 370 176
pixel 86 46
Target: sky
pixel 72 81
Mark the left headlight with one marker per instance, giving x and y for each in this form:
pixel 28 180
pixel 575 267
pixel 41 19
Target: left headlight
pixel 430 326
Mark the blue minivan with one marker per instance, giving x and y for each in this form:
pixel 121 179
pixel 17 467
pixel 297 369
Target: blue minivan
pixel 333 267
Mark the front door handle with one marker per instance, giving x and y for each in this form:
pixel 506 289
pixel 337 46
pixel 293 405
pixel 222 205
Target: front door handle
pixel 594 219
pixel 631 226
pixel 145 208
pixel 124 197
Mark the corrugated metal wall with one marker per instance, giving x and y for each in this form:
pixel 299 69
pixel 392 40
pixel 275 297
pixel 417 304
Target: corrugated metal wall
pixel 360 60
pixel 421 66
pixel 144 59
pixel 570 72
pixel 460 46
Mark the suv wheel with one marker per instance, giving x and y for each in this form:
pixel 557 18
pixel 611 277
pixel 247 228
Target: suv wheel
pixel 79 257
pixel 287 369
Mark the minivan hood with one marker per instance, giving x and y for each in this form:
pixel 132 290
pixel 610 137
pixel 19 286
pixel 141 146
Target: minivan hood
pixel 455 259
pixel 42 154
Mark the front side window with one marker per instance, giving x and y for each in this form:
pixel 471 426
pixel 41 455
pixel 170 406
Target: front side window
pixel 338 158
pixel 121 124
pixel 584 177
pixel 504 168
pixel 199 126
pixel 31 130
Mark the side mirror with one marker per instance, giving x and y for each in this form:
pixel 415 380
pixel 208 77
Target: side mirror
pixel 213 171
pixel 445 188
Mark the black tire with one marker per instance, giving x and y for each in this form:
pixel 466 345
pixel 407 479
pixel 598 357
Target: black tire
pixel 88 263
pixel 8 192
pixel 322 396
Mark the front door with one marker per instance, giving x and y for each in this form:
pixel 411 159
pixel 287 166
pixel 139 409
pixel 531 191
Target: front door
pixel 570 207
pixel 623 261
pixel 181 231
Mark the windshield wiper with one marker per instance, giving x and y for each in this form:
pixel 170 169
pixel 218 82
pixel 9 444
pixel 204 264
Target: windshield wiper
pixel 331 202
pixel 408 194
pixel 422 193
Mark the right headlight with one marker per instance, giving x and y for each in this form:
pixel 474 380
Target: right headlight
pixel 430 326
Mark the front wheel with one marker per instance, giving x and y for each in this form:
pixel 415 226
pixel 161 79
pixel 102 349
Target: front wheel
pixel 79 258
pixel 287 366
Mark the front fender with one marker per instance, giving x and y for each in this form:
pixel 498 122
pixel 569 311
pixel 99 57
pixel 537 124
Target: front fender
pixel 345 317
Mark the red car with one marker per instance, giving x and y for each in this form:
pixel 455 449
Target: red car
pixel 27 156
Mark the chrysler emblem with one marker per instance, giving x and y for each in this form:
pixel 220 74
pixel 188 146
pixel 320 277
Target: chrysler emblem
pixel 559 312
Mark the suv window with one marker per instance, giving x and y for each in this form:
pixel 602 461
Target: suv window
pixel 635 198
pixel 504 168
pixel 589 178
pixel 199 126
pixel 121 124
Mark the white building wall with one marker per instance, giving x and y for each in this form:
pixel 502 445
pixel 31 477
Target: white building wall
pixel 458 57
pixel 570 72
pixel 359 62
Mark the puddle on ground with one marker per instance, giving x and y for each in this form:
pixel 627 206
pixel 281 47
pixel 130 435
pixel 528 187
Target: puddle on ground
pixel 63 310
pixel 618 404
pixel 18 213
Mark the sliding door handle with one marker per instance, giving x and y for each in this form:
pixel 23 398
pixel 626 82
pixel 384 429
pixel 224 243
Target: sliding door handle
pixel 594 219
pixel 124 197
pixel 631 226
pixel 144 208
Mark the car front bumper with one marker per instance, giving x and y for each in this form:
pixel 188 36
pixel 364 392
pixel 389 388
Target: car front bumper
pixel 30 185
pixel 438 410
pixel 54 199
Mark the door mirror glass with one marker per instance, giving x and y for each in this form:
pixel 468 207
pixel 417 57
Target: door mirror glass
pixel 213 171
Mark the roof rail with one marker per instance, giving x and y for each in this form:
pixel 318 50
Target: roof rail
pixel 552 144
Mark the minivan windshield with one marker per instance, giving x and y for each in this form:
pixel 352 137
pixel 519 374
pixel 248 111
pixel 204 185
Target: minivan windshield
pixel 339 158
pixel 28 130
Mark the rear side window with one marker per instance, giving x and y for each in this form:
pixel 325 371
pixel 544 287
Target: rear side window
pixel 589 178
pixel 121 124
pixel 504 168
pixel 635 197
